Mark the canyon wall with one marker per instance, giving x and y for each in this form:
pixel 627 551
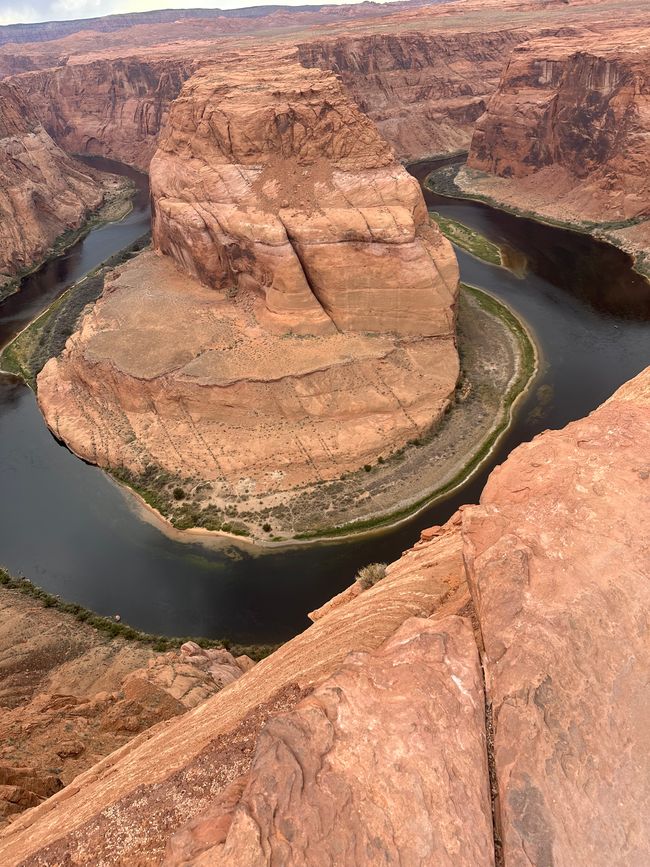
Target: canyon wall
pixel 544 586
pixel 114 108
pixel 43 192
pixel 566 134
pixel 424 91
pixel 299 321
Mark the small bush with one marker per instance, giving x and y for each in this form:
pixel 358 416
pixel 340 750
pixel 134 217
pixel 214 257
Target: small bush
pixel 369 575
pixel 266 528
pixel 179 494
pixel 367 467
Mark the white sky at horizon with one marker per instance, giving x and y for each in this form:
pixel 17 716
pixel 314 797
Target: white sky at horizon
pixel 32 11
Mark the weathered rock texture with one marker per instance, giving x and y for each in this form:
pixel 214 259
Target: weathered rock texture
pixel 111 108
pixel 43 192
pixel 567 132
pixel 558 565
pixel 556 559
pixel 330 340
pixel 424 91
pixel 173 773
pixel 333 780
pixel 69 695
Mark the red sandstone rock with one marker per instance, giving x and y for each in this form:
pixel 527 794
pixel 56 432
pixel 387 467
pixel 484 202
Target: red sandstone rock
pixel 43 192
pixel 557 556
pixel 566 133
pixel 333 780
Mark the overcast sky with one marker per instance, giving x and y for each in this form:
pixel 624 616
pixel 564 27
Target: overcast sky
pixel 14 11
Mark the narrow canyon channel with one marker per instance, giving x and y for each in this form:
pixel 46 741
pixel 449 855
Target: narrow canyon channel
pixel 70 529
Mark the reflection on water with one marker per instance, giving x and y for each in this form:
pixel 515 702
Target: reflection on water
pixel 71 530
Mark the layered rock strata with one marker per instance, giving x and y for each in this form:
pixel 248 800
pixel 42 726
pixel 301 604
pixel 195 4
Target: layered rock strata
pixel 43 192
pixel 547 579
pixel 321 334
pixel 111 108
pixel 425 91
pixel 69 695
pixel 566 134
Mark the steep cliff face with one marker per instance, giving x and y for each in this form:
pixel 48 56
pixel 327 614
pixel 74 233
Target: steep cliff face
pixel 43 192
pixel 545 583
pixel 114 108
pixel 322 333
pixel 424 91
pixel 570 125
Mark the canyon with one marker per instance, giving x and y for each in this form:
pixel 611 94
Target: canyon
pixel 566 135
pixel 521 586
pixel 296 327
pixel 300 317
pixel 43 192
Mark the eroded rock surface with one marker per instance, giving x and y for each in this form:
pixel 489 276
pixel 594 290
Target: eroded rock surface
pixel 332 782
pixel 558 562
pixel 566 134
pixel 43 192
pixel 322 334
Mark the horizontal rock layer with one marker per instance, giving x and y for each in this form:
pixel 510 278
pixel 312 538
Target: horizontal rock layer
pixel 43 192
pixel 570 121
pixel 555 559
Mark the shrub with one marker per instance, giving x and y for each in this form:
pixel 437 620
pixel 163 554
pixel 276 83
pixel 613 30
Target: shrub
pixel 179 494
pixel 369 575
pixel 266 528
pixel 367 467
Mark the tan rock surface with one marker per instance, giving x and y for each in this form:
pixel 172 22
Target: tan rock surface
pixel 333 780
pixel 184 765
pixel 276 184
pixel 558 557
pixel 566 134
pixel 43 192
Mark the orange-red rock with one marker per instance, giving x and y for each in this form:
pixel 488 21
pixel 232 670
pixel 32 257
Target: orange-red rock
pixel 385 762
pixel 558 563
pixel 566 134
pixel 43 192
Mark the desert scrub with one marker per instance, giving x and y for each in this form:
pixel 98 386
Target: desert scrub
pixel 467 239
pixel 369 575
pixel 112 629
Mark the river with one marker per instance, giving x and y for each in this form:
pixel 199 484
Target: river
pixel 70 529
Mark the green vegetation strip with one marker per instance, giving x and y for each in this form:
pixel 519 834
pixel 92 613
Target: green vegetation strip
pixel 442 181
pixel 112 629
pixel 46 336
pixel 468 239
pixel 526 371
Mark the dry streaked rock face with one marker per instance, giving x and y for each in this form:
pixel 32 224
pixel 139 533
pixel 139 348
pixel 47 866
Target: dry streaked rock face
pixel 277 185
pixel 114 108
pixel 566 134
pixel 43 192
pixel 326 337
pixel 333 781
pixel 558 562
pixel 424 91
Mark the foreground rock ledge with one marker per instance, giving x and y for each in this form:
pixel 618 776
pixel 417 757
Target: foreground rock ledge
pixel 552 572
pixel 300 320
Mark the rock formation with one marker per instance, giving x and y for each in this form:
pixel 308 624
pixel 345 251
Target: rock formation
pixel 566 135
pixel 69 695
pixel 546 580
pixel 43 192
pixel 113 108
pixel 323 335
pixel 424 91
